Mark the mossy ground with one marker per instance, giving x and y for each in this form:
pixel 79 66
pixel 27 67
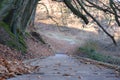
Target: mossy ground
pixel 14 41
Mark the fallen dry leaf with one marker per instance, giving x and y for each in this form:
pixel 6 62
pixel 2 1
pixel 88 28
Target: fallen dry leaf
pixel 66 74
pixel 79 77
pixel 12 68
pixel 2 78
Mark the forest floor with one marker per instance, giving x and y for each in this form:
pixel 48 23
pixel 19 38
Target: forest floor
pixel 11 60
pixel 53 60
pixel 68 39
pixel 59 26
pixel 57 67
pixel 64 67
pixel 60 66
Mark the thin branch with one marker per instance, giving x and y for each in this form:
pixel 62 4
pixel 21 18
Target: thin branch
pixel 101 8
pixel 115 12
pixel 76 12
pixel 112 37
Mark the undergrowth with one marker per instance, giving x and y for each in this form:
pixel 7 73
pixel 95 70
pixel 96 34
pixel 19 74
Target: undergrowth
pixel 89 50
pixel 18 44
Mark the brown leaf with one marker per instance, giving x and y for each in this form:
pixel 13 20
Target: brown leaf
pixel 2 78
pixel 3 69
pixel 66 74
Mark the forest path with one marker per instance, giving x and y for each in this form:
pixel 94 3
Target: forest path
pixel 64 67
pixel 61 42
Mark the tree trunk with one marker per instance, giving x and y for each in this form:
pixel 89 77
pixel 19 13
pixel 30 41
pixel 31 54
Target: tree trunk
pixel 17 15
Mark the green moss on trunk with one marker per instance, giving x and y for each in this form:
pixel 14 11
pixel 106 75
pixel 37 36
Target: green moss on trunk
pixel 11 40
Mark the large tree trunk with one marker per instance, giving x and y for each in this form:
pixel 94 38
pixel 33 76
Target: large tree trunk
pixel 17 15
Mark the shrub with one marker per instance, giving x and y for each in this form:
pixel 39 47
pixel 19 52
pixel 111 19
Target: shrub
pixel 89 50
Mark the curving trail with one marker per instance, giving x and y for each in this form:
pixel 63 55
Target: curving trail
pixel 63 67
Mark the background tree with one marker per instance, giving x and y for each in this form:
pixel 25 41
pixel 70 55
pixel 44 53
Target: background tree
pixel 83 9
pixel 109 7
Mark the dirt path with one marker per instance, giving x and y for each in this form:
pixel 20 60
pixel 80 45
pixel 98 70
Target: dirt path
pixel 61 42
pixel 63 67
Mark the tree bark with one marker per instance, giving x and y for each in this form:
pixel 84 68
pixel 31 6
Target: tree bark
pixel 17 13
